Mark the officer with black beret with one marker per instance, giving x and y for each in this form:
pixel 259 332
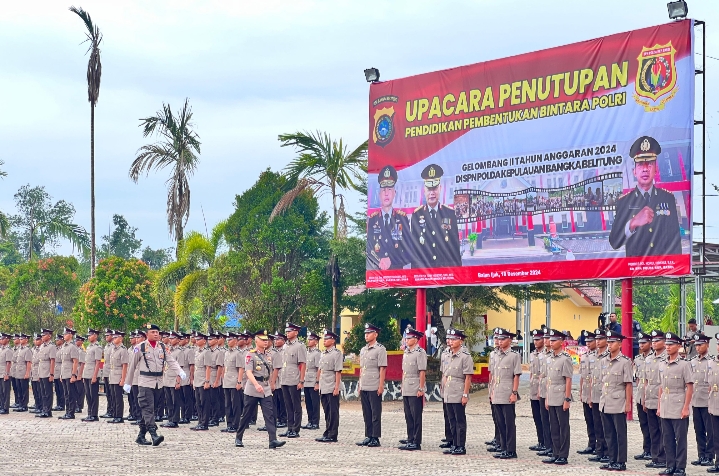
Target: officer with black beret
pixel 646 223
pixel 387 228
pixel 435 238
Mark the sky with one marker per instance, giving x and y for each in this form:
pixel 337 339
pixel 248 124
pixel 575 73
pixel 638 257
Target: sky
pixel 253 70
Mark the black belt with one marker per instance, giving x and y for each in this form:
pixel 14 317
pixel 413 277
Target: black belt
pixel 261 379
pixel 150 374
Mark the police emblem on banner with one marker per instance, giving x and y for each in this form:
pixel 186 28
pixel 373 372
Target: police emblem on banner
pixel 383 130
pixel 656 82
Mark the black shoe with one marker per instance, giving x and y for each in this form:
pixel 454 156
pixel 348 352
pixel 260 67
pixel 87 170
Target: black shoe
pixel 364 442
pixel 117 420
pixel 374 443
pixel 403 442
pixel 229 429
pixel 308 426
pixel 586 451
pixel 607 466
pixel 66 416
pixel 43 415
pixel 642 456
pixel 15 405
pixel 212 423
pixel 253 423
pixel 697 462
pixel 199 428
pixel 656 464
pixel 136 422
pixel 497 455
pixel 293 434
pixel 508 455
pixel 446 445
pixel 281 425
pixel 284 435
pixel 4 412
pixel 141 440
pixel 604 459
pixel 459 450
pixel 57 408
pixel 20 409
pixel 618 467
pixel 551 460
pixel 494 449
pixel 156 439
pixel 131 418
pixel 546 452
pixel 450 450
pixel 194 418
pixel 491 443
pixel 315 426
pixel 537 447
pixel 171 424
pixel 106 415
pixel 679 471
pixel 89 419
pixel 714 469
pixel 238 443
pixel 276 444
pixel 412 447
pixel 34 411
pixel 561 461
pixel 667 471
pixel 707 462
pixel 221 420
pixel 262 428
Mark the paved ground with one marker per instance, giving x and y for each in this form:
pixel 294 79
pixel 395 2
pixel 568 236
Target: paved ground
pixel 51 447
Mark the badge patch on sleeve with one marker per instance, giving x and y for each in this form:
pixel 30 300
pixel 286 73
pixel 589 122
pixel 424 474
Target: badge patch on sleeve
pixel 248 358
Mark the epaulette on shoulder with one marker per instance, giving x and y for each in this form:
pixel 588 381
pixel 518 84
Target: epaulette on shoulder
pixel 335 349
pixel 421 207
pixel 401 213
pixel 465 351
pixel 566 354
pixel 603 354
pixel 515 351
pixel 622 356
pixel 374 214
pixel 254 351
pixel 696 357
pixel 379 345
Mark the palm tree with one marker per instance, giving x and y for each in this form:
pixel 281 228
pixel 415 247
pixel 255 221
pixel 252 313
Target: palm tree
pixel 324 165
pixel 179 149
pixel 4 221
pixel 94 72
pixel 188 275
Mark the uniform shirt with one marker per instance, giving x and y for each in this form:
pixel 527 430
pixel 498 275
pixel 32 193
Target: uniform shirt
pixel 559 368
pixel 388 240
pixel 81 362
pixel 69 353
pixel 231 364
pixel 330 363
pixel 24 355
pixel 93 355
pixel 148 359
pixel 58 361
pixel 180 354
pixel 294 353
pixel 617 375
pixel 490 367
pixel 189 354
pixel 171 372
pixel 35 373
pixel 242 354
pixel 106 353
pixel 543 373
pixel 46 353
pixel 260 365
pixel 13 365
pixel 413 362
pixel 435 241
pixel 276 355
pixel 699 367
pixel 118 357
pixel 372 358
pixel 535 360
pixel 596 367
pixel 203 358
pixel 313 361
pixel 458 366
pixel 712 380
pixel 220 360
pixel 213 362
pixel 507 364
pixel 690 349
pixel 6 356
pixel 584 371
pixel 674 378
pixel 654 381
pixel 640 378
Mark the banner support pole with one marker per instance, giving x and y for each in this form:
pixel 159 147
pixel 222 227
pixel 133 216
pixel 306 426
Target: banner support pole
pixel 627 321
pixel 421 315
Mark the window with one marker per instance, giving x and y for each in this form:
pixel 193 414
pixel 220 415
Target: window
pixel 565 224
pixel 580 220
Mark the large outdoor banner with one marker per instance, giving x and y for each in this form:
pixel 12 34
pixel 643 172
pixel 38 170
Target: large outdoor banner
pixel 568 163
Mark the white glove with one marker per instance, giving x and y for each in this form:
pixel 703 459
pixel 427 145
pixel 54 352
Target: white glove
pixel 183 375
pixel 126 388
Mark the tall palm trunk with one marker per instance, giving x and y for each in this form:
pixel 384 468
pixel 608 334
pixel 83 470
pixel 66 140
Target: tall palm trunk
pixel 92 190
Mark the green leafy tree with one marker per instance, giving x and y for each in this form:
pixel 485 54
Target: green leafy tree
pixel 118 296
pixel 122 241
pixel 94 74
pixel 37 291
pixel 385 309
pixel 156 259
pixel 179 149
pixel 324 165
pixel 39 224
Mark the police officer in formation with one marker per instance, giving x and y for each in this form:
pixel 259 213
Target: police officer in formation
pixel 312 396
pixel 457 371
pixel 373 366
pixel 329 378
pixel 585 390
pixel 507 368
pixel 712 380
pixel 595 395
pixel 652 383
pixel 645 349
pixel 535 361
pixel 559 397
pixel 700 363
pixel 414 369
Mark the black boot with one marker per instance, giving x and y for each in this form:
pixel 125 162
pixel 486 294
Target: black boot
pixel 141 440
pixel 156 439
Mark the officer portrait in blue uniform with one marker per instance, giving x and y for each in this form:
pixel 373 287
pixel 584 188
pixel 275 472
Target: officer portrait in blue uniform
pixel 387 228
pixel 646 223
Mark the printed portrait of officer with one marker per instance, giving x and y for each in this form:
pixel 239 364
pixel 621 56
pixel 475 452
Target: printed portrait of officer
pixel 646 222
pixel 435 239
pixel 387 228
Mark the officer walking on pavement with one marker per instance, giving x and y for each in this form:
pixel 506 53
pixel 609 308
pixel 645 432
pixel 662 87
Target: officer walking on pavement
pixel 559 396
pixel 329 378
pixel 373 365
pixel 700 400
pixel 414 369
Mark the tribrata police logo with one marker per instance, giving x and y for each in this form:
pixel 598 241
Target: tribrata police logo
pixel 383 131
pixel 656 77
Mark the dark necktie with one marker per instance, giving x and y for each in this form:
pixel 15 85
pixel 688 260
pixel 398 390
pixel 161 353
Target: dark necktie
pixel 386 219
pixel 433 214
pixel 646 198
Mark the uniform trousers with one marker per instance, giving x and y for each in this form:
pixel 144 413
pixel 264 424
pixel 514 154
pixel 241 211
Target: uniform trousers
pixel 147 398
pixel 715 430
pixel 293 404
pixel 160 405
pixel 331 407
pixel 546 430
pixel 234 403
pixel 278 400
pixel 601 445
pixel 537 417
pixel 172 400
pixel 312 404
pixel 202 399
pixel 218 403
pixel 447 428
pixel 497 434
pixel 644 426
pixel 413 418
pixel 13 383
pixel 108 395
pixel 188 405
pixel 60 392
pixel 23 391
pixel 117 400
pixel 655 433
pixel 92 391
pixel 589 420
pixel 36 395
pixel 46 392
pixel 132 403
pixel 704 432
pixel 559 422
pixel 507 423
pixel 80 393
pixel 458 423
pixel 193 402
pixel 70 396
pixel 674 432
pixel 5 402
pixel 371 413
pixel 615 435
pixel 268 413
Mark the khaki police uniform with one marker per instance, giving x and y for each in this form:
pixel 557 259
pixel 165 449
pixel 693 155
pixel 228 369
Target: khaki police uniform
pixel 559 369
pixel 458 366
pixel 312 396
pixel 233 397
pixel 188 390
pixel 700 407
pixel 507 364
pixel 24 356
pixel 676 376
pixel 70 356
pixel 57 380
pixel 47 353
pixel 612 404
pixel 119 359
pixel 106 354
pixel 35 379
pixel 170 379
pixel 79 383
pixel 414 361
pixel 260 365
pixel 372 359
pixel 651 401
pixel 329 366
pixel 490 386
pixel 586 386
pixel 6 355
pixel 534 372
pixel 597 365
pixel 640 382
pixel 93 357
pixel 294 355
pixel 278 398
pixel 712 381
pixel 203 359
pixel 216 395
pixel 542 395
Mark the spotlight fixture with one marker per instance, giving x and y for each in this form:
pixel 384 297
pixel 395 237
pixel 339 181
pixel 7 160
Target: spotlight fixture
pixel 371 75
pixel 677 10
